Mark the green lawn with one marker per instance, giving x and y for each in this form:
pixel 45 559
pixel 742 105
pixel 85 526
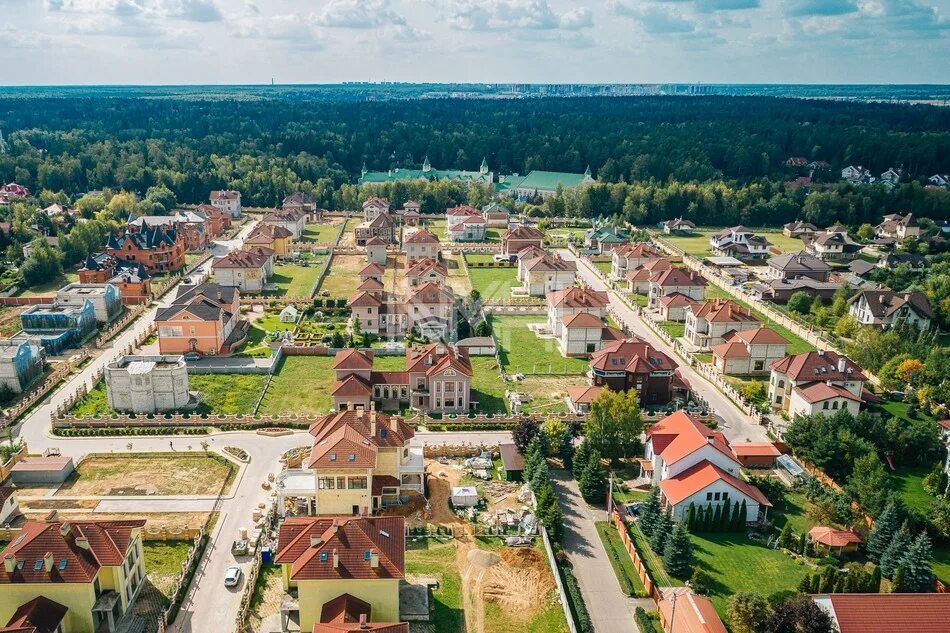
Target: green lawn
pixel 49 288
pixel 796 344
pixel 603 267
pixel 428 557
pixel 487 385
pixel 494 283
pixel 293 280
pixel 480 258
pixel 322 233
pixel 909 483
pixel 941 563
pixel 673 328
pixel 522 351
pixel 794 511
pixel 697 244
pixel 220 393
pixel 638 299
pixel 301 385
pixel 163 561
pixel 389 363
pixel 619 559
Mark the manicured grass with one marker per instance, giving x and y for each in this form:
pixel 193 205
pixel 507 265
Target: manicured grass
pixel 899 410
pixel 293 280
pixel 735 564
pixel 458 279
pixel 941 563
pixel 429 557
pixel 794 511
pixel 49 288
pixel 494 283
pixel 909 483
pixel 638 299
pixel 179 473
pixel 697 244
pixel 619 559
pixel 163 561
pixel 220 393
pixel 603 267
pixel 523 352
pixel 796 344
pixel 322 233
pixel 301 385
pixel 487 385
pixel 673 328
pixel 389 363
pixel 480 258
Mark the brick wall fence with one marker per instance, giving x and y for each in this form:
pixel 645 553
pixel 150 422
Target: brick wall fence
pixel 648 583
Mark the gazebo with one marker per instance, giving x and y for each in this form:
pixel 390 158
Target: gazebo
pixel 832 539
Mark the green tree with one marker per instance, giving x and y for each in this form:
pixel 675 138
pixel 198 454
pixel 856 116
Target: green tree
pixel 747 612
pixel 593 481
pixel 549 511
pixel 678 552
pixel 892 556
pixel 649 511
pixel 43 265
pixel 799 302
pixel 540 475
pixel 917 566
pixel 865 232
pixel 786 537
pixel 555 431
pixel 614 424
pixel 882 533
pixel 725 524
pixel 870 485
pixel 691 516
pixel 661 532
pixel 581 457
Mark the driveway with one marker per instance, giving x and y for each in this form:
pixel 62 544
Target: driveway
pixel 611 611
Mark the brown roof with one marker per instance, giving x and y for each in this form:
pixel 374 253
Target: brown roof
pixel 583 394
pixel 346 541
pixel 755 449
pixel 74 559
pixel 266 233
pixel 422 236
pixel 240 259
pixel 724 311
pixel 832 537
pixel 431 292
pixel 372 270
pixel 677 300
pixel 426 266
pixel 351 386
pixel 511 459
pixel 371 283
pixel 731 349
pixel 391 431
pixel 678 277
pixel 345 608
pixel 693 613
pixel 889 612
pixel 353 359
pixel 436 357
pixel 552 263
pixel 632 355
pixel 821 365
pixel 364 299
pixel 762 336
pixel 813 392
pixel 37 463
pixel 884 303
pixel 382 202
pixel 581 319
pixel 376 241
pixel 638 250
pixel 389 378
pixel 578 297
pixel 39 615
pixel 522 232
pixel 345 446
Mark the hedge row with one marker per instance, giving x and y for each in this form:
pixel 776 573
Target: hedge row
pixel 130 430
pixel 578 608
pixel 644 621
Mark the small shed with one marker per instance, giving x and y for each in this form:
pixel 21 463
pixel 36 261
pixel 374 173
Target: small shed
pixel 53 469
pixel 289 314
pixel 477 345
pixel 756 454
pixel 511 461
pixel 464 497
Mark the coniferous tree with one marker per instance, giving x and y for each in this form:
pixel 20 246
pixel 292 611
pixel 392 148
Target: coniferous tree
pixel 532 459
pixel 581 457
pixel 691 516
pixel 891 559
pixel 737 518
pixel 593 481
pixel 700 520
pixel 803 544
pixel 661 532
pixel 540 476
pixel 827 582
pixel 717 519
pixel 874 581
pixel 742 516
pixel 897 584
pixel 786 537
pixel 678 552
pixel 649 511
pixel 916 565
pixel 708 519
pixel 883 532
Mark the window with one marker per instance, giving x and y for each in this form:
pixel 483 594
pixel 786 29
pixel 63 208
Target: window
pixel 834 405
pixel 324 557
pixel 708 496
pixel 341 483
pixel 824 405
pixel 367 555
pixel 332 457
pixel 716 497
pixel 357 483
pixel 326 483
pixel 351 457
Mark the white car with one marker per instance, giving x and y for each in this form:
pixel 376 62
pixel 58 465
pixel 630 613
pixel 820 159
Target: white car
pixel 232 576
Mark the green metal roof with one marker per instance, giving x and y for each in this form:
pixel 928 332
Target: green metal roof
pixel 420 174
pixel 545 181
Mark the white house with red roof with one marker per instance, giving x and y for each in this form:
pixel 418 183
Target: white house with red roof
pixel 676 280
pixel 376 251
pixel 425 270
pixel 421 244
pixel 575 300
pixel 638 279
pixel 708 323
pixel 541 274
pixel 820 382
pixel 750 352
pixel 469 228
pixel 346 572
pixel 631 256
pixel 676 306
pixel 245 270
pixel 693 464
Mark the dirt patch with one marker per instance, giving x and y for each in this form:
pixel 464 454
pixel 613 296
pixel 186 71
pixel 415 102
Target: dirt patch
pixel 481 558
pixel 153 520
pixel 440 479
pixel 150 474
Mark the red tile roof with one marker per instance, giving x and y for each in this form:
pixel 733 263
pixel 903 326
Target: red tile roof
pixel 581 319
pixel 578 297
pixel 426 266
pixel 376 241
pixel 422 236
pixel 677 300
pixel 832 537
pixel 633 355
pixel 702 475
pixel 731 350
pixel 889 612
pixel 693 613
pixel 364 299
pixel 240 259
pixel 584 394
pixel 818 366
pixel 372 270
pixel 431 293
pixel 39 615
pixel 678 435
pixel 814 392
pixel 353 359
pixel 383 481
pixel 85 546
pixel 390 430
pixel 346 541
pixel 762 336
pixel 345 608
pixel 639 250
pixel 755 449
pixel 723 311
pixel 678 278
pixel 523 232
pixel 351 386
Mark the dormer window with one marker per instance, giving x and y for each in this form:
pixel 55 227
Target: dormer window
pixel 367 555
pixel 323 557
pixel 351 457
pixel 332 457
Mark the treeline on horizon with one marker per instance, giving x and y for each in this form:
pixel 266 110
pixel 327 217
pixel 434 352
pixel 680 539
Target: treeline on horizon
pixel 716 160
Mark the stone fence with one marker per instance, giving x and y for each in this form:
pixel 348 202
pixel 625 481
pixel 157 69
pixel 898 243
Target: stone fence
pixel 474 247
pixel 7 466
pixel 457 450
pixel 117 326
pixel 26 301
pixel 502 308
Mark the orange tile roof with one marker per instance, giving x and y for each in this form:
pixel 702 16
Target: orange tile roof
pixel 581 319
pixel 723 311
pixel 422 236
pixel 523 232
pixel 372 270
pixel 678 435
pixel 730 350
pixel 693 613
pixel 762 336
pixel 678 278
pixel 431 292
pixel 364 299
pixel 390 430
pixel 814 392
pixel 583 394
pixel 755 449
pixel 425 266
pixel 702 475
pixel 578 297
pixel 638 250
pixel 677 300
pixel 39 615
pixel 349 541
pixel 889 612
pixel 345 447
pixel 353 359
pixel 832 537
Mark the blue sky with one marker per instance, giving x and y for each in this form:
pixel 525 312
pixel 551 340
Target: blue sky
pixel 319 41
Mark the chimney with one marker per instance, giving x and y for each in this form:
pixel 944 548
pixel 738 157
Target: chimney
pixel 48 561
pixel 9 563
pixel 363 623
pixel 82 542
pixel 372 423
pixel 315 540
pixel 821 352
pixel 374 559
pixel 359 413
pixel 841 364
pixel 52 516
pixel 64 529
pixel 711 439
pixel 336 559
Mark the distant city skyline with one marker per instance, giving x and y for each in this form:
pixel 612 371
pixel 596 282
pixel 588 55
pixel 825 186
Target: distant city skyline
pixel 50 42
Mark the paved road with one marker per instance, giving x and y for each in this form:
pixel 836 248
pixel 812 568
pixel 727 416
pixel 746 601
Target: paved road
pixel 733 423
pixel 610 609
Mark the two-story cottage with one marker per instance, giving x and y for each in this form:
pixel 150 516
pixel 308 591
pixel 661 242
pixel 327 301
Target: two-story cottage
pixel 374 207
pixel 576 319
pixel 739 242
pixel 376 251
pixel 227 201
pixel 678 226
pixel 217 221
pixel 676 280
pixel 303 203
pixel 191 226
pixel 886 308
pixel 469 228
pixel 542 274
pixel 897 226
pixel 675 307
pixel 157 248
pixel 425 270
pixel 246 270
pixel 421 244
pixel 856 174
pixel 798 265
pixel 832 244
pixel 629 257
pixel 749 352
pixel 80 576
pixel 277 238
pixel 633 363
pixel 816 382
pixel 381 226
pixel 203 319
pixel 429 307
pixel 798 228
pixel 496 215
pixel 694 466
pixel 292 219
pixel 344 573
pixel 605 239
pixel 638 279
pixel 517 238
pixel 708 323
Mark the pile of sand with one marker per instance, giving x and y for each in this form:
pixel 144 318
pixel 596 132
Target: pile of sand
pixel 483 559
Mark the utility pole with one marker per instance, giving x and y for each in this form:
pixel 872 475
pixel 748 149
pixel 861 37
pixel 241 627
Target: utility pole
pixel 610 495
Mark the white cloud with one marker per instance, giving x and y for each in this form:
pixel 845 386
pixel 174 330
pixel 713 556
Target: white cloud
pixel 358 14
pixel 513 15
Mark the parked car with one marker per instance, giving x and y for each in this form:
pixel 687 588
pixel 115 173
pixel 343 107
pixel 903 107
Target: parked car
pixel 232 576
pixel 192 356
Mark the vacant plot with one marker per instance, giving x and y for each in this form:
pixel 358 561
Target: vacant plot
pixel 432 558
pixel 49 288
pixel 343 277
pixel 487 385
pixel 547 393
pixel 458 279
pixel 301 385
pixel 163 561
pixel 150 474
pixel 10 320
pixel 603 267
pixel 673 328
pixel 293 280
pixel 494 283
pixel 321 233
pixel 523 352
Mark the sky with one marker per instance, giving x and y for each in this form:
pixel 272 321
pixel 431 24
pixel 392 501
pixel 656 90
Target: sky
pixel 47 42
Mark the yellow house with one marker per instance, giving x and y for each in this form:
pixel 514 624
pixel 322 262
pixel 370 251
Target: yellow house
pixel 92 569
pixel 344 570
pixel 360 460
pixel 271 236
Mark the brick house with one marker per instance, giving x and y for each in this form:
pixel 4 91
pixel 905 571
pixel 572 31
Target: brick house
pixel 132 280
pixel 217 221
pixel 633 363
pixel 374 207
pixel 381 226
pixel 517 238
pixel 205 319
pixel 191 226
pixel 157 248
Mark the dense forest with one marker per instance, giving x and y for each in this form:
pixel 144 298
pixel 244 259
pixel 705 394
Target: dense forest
pixel 715 159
